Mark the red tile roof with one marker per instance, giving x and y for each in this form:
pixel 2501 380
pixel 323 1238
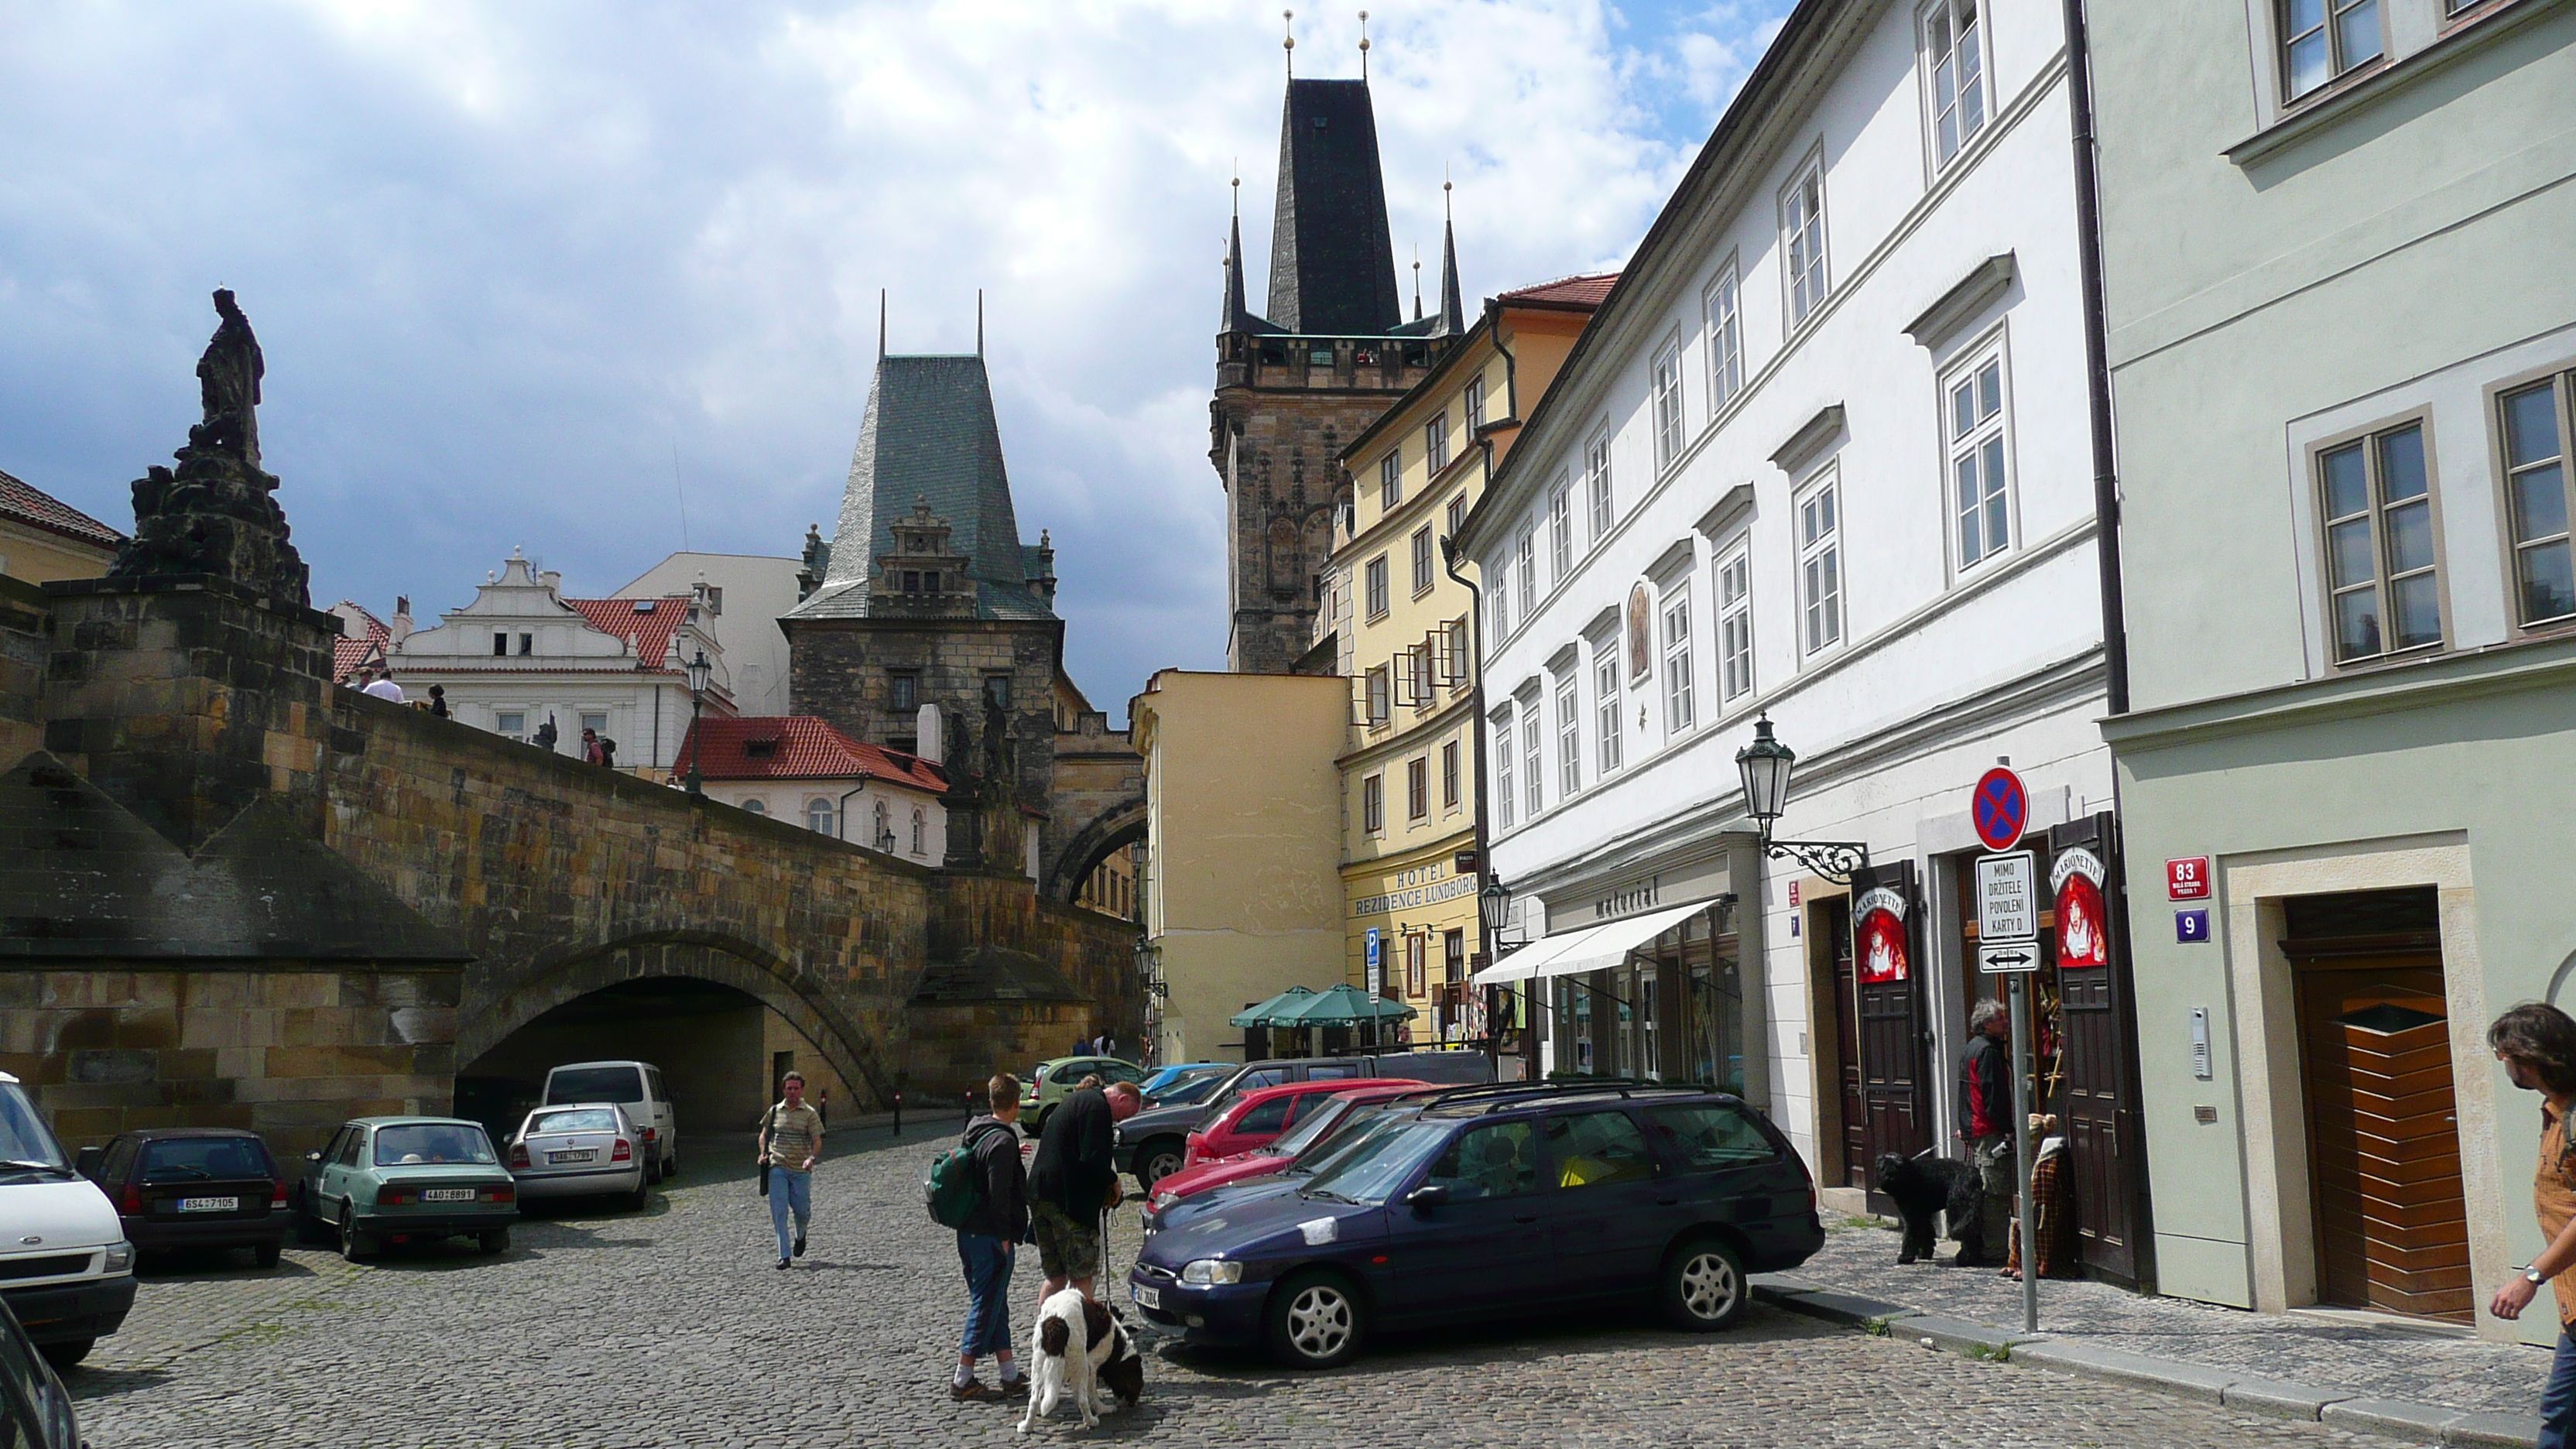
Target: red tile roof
pixel 1579 291
pixel 30 505
pixel 350 651
pixel 647 632
pixel 799 747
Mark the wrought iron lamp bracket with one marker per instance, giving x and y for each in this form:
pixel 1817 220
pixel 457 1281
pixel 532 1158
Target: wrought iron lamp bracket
pixel 1835 860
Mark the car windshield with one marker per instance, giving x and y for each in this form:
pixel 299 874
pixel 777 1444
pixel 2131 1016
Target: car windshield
pixel 431 1144
pixel 580 1119
pixel 1185 1092
pixel 1373 1167
pixel 1319 1120
pixel 595 1084
pixel 24 1137
pixel 198 1159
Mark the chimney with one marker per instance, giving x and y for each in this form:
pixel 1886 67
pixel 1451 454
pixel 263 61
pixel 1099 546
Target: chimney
pixel 553 580
pixel 931 742
pixel 401 624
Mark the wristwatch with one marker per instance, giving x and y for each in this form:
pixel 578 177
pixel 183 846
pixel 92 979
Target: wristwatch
pixel 2532 1275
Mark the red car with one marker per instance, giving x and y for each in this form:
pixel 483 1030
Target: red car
pixel 1328 1105
pixel 1258 1118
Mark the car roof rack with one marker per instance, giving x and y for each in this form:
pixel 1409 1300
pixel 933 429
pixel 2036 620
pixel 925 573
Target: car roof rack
pixel 1502 1094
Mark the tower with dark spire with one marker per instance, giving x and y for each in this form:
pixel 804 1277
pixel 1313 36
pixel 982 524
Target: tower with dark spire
pixel 1294 386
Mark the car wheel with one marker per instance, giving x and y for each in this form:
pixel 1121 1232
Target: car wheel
pixel 1315 1321
pixel 495 1241
pixel 1157 1160
pixel 671 1169
pixel 1704 1287
pixel 652 1170
pixel 65 1355
pixel 641 1198
pixel 310 1230
pixel 355 1245
pixel 264 1254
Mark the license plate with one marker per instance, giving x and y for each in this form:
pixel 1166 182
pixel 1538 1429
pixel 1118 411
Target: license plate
pixel 210 1204
pixel 1147 1297
pixel 448 1194
pixel 586 1154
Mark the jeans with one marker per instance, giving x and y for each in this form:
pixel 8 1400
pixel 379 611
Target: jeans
pixel 790 1189
pixel 2558 1398
pixel 988 1295
pixel 1996 1169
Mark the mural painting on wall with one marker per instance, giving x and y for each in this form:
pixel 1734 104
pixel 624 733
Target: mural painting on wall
pixel 1880 936
pixel 1641 632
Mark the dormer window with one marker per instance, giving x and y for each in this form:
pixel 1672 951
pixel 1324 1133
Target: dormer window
pixel 760 749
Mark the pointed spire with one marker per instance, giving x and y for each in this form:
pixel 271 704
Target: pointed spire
pixel 1453 312
pixel 979 321
pixel 881 324
pixel 1364 45
pixel 1417 281
pixel 1290 43
pixel 1237 316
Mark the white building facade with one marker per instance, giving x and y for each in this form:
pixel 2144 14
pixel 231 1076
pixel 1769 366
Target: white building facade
pixel 522 654
pixel 739 598
pixel 1824 453
pixel 799 769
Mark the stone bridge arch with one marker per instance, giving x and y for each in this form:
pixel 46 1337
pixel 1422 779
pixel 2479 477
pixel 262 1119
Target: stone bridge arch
pixel 500 1004
pixel 1121 825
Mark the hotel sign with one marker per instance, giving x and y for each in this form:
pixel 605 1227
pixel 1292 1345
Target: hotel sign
pixel 1422 886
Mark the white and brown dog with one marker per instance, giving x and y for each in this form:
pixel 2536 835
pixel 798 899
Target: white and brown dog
pixel 1106 1358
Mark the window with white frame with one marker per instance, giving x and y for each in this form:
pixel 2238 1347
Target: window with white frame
pixel 1569 737
pixel 1802 240
pixel 1435 444
pixel 2324 39
pixel 1735 624
pixel 1679 715
pixel 1596 484
pixel 512 723
pixel 1820 564
pixel 2383 582
pixel 1498 603
pixel 1531 795
pixel 1525 569
pixel 1954 65
pixel 2537 496
pixel 883 837
pixel 1668 404
pixel 920 831
pixel 1373 804
pixel 1475 405
pixel 1503 796
pixel 1376 586
pixel 1980 498
pixel 1390 481
pixel 1725 340
pixel 1422 558
pixel 818 814
pixel 1606 675
pixel 1560 529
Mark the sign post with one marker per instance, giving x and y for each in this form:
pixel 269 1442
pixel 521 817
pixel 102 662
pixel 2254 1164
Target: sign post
pixel 2008 946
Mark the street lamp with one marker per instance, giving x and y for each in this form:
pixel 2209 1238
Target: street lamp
pixel 1765 765
pixel 1494 904
pixel 699 671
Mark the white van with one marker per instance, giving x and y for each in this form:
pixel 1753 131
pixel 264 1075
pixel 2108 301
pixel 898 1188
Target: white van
pixel 635 1086
pixel 65 1266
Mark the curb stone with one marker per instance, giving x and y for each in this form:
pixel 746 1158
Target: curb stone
pixel 2280 1398
pixel 1960 1336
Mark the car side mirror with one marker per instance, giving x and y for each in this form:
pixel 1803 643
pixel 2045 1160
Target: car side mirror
pixel 86 1163
pixel 1429 1195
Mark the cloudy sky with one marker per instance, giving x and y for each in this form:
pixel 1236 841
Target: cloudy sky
pixel 553 276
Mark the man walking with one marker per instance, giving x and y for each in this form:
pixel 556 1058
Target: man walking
pixel 1985 1124
pixel 985 1242
pixel 791 1139
pixel 1075 1180
pixel 2537 1044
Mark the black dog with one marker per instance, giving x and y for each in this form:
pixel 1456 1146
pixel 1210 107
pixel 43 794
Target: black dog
pixel 1923 1186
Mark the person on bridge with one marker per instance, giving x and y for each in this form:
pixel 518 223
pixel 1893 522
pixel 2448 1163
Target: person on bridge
pixel 984 1243
pixel 1075 1180
pixel 791 1141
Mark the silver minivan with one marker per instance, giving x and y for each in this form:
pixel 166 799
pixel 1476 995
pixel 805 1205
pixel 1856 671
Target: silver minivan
pixel 635 1086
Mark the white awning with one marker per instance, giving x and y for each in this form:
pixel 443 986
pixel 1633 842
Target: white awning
pixel 1587 948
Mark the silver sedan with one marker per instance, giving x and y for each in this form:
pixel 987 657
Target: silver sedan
pixel 580 1149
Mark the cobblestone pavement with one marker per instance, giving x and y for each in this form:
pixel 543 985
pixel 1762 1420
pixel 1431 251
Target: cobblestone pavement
pixel 673 1327
pixel 2374 1355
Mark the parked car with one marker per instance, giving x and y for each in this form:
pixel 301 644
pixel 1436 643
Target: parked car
pixel 1320 1129
pixel 34 1409
pixel 1256 1119
pixel 1489 1201
pixel 585 1149
pixel 1178 1077
pixel 193 1187
pixel 635 1086
pixel 1048 1083
pixel 1154 1143
pixel 408 1179
pixel 66 1269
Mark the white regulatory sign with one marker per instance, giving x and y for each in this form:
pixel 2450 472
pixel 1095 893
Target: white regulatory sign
pixel 2007 958
pixel 2007 897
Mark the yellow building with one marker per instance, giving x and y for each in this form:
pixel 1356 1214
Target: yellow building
pixel 43 538
pixel 1243 807
pixel 1401 632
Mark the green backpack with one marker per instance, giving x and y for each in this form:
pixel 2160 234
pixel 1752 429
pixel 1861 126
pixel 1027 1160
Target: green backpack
pixel 954 1187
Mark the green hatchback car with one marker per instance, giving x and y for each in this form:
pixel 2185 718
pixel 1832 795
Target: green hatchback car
pixel 1049 1083
pixel 407 1179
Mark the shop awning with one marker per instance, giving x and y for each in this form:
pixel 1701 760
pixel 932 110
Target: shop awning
pixel 1587 948
pixel 1269 1013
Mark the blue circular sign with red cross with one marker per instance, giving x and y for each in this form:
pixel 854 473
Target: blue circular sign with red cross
pixel 2001 809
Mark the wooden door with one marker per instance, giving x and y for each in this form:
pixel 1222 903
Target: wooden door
pixel 2098 1036
pixel 2383 1137
pixel 1891 1022
pixel 1835 917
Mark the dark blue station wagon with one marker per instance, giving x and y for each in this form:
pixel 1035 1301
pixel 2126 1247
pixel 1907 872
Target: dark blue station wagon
pixel 1493 1200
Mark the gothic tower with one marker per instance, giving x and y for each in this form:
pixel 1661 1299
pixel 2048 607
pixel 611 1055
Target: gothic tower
pixel 1295 387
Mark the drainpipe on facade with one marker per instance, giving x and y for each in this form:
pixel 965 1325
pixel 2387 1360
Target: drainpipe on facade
pixel 2097 366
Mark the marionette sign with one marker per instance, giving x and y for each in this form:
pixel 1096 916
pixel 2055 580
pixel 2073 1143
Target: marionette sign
pixel 1878 938
pixel 2083 919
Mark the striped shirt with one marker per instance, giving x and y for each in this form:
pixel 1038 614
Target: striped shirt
pixel 795 1133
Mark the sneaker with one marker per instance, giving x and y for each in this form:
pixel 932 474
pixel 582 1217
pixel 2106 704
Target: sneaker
pixel 800 1245
pixel 970 1390
pixel 782 1265
pixel 1016 1388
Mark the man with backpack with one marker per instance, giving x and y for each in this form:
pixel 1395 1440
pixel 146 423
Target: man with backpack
pixel 980 1189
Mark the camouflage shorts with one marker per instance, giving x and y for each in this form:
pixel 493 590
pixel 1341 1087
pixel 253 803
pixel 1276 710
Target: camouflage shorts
pixel 1066 1249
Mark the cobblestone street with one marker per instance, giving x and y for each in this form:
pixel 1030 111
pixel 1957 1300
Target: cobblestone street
pixel 673 1327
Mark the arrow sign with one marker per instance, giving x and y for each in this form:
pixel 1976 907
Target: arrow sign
pixel 2008 958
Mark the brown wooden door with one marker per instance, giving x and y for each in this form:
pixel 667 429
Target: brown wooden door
pixel 1836 917
pixel 2383 1137
pixel 2098 1053
pixel 1891 1027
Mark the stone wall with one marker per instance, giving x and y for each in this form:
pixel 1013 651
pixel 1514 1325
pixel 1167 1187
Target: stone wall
pixel 25 626
pixel 840 671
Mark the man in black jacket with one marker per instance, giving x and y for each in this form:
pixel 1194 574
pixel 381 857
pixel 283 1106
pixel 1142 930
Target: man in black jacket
pixel 985 1241
pixel 1075 1180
